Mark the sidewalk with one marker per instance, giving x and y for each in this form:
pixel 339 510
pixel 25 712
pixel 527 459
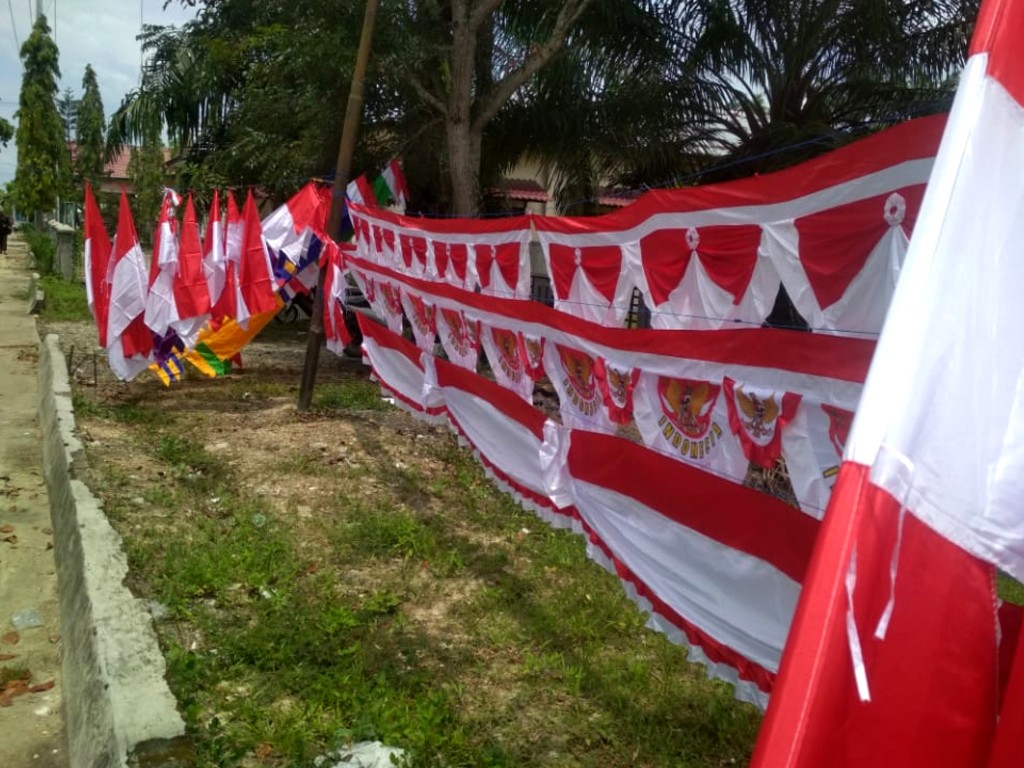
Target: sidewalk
pixel 32 726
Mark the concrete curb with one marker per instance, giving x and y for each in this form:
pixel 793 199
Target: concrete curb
pixel 119 709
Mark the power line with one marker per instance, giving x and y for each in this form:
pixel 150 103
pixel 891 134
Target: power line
pixel 14 29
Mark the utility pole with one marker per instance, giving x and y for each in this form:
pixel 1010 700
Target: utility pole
pixel 342 171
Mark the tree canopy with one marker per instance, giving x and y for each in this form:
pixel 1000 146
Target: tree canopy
pixel 43 170
pixel 89 130
pixel 629 92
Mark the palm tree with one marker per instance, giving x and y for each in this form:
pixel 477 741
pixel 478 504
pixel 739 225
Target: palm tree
pixel 797 77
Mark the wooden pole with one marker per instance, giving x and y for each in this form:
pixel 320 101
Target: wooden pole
pixel 342 171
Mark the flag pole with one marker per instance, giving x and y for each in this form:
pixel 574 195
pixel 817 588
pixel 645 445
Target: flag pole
pixel 342 171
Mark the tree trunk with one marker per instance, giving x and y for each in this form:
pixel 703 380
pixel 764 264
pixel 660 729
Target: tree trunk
pixel 464 163
pixel 465 173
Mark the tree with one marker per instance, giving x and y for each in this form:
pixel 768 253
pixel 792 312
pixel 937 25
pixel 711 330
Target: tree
pixel 6 132
pixel 807 76
pixel 43 169
pixel 67 108
pixel 89 131
pixel 147 172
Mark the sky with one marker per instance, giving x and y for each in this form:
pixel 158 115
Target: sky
pixel 97 32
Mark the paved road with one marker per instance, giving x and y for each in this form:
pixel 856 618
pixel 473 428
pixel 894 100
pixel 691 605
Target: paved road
pixel 32 727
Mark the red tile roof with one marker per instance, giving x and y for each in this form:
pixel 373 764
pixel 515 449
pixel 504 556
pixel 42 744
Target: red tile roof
pixel 521 189
pixel 117 167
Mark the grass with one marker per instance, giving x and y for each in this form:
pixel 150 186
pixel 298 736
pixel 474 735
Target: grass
pixel 64 300
pixel 414 603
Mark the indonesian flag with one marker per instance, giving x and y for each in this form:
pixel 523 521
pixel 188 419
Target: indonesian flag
pixel 161 309
pixel 191 292
pixel 892 657
pixel 214 255
pixel 129 341
pixel 230 305
pixel 97 262
pixel 255 274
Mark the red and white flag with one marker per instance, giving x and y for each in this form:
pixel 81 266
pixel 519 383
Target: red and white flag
pixel 129 340
pixel 97 264
pixel 255 274
pixel 214 256
pixel 893 655
pixel 191 291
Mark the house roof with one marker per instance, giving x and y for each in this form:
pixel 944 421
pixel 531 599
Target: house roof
pixel 617 198
pixel 521 189
pixel 116 168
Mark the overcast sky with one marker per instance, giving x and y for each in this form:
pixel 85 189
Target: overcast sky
pixel 97 32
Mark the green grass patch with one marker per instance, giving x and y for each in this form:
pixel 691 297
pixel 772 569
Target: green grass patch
pixel 350 395
pixel 126 413
pixel 64 300
pixel 417 604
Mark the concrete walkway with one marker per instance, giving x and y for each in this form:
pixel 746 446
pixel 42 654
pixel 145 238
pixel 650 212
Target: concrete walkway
pixel 32 727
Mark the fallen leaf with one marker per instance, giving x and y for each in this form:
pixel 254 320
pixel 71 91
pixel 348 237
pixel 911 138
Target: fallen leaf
pixel 8 656
pixel 6 529
pixel 11 638
pixel 42 686
pixel 12 539
pixel 54 639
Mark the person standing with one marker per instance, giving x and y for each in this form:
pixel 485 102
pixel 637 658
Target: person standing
pixel 5 229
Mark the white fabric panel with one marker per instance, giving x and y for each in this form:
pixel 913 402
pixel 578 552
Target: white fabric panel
pixel 505 443
pixel 942 418
pixel 700 304
pixel 862 309
pixel 510 373
pixel 812 458
pixel 579 396
pixel 712 447
pixel 395 371
pixel 740 600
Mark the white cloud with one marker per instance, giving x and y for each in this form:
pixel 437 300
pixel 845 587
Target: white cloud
pixel 97 32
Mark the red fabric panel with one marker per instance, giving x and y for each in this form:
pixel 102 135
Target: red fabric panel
pixel 732 514
pixel 191 292
pixel 997 31
pixel 813 353
pixel 1009 741
pixel 254 279
pixel 304 207
pixel 602 264
pixel 455 253
pixel 227 303
pixel 137 339
pixel 914 139
pixel 445 226
pixel 933 678
pixel 665 257
pixel 99 262
pixel 729 255
pixel 835 243
pixel 506 254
